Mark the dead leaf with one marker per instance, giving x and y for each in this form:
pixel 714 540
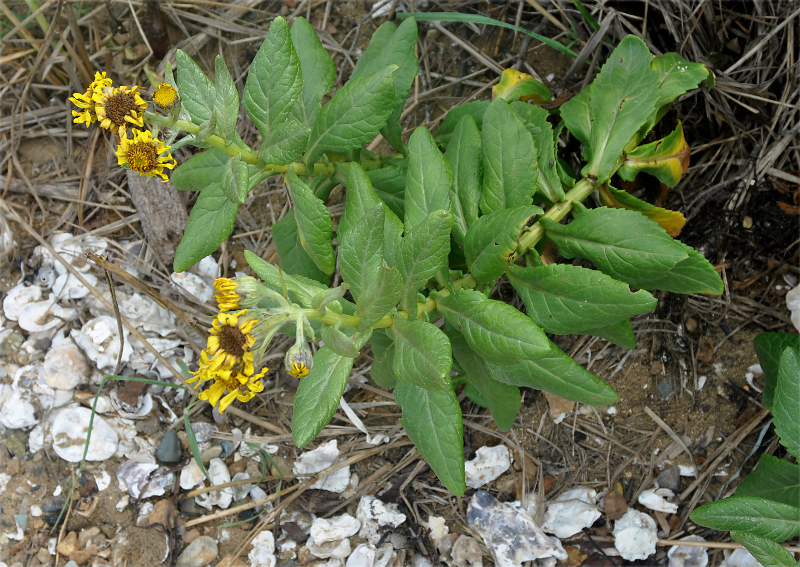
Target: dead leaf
pixel 558 405
pixel 614 504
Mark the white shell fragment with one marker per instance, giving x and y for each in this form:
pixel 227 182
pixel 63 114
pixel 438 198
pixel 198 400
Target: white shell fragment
pixel 328 537
pixel 489 463
pixel 67 286
pixel 147 315
pixel 656 499
pixel 71 428
pixel 218 473
pixel 320 459
pixel 133 477
pixel 685 556
pixel 100 341
pixel 194 286
pixel 572 511
pixel 18 297
pixel 263 552
pixel 635 535
pixel 16 411
pixel 43 315
pixel 191 476
pixel 509 532
pixel 793 304
pixel 741 558
pixel 375 515
pixel 64 366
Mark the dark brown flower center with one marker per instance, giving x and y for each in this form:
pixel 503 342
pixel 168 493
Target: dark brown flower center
pixel 232 340
pixel 120 105
pixel 142 157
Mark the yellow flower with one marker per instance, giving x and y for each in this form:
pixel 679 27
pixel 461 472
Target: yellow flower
pixel 85 101
pixel 142 153
pixel 230 341
pixel 118 107
pixel 237 293
pixel 165 96
pixel 240 385
pixel 298 360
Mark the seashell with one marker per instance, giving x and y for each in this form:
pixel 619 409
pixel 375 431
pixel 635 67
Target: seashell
pixel 73 249
pixel 218 473
pixel 16 410
pixel 141 411
pixel 98 339
pixel 656 499
pixel 208 268
pixel 147 315
pixel 263 552
pixel 635 535
pixel 793 305
pixel 67 286
pixel 71 428
pixel 193 285
pixel 132 477
pixel 44 315
pixel 374 516
pixel 64 366
pixel 489 463
pixel 319 459
pixel 18 297
pixel 572 511
pixel 46 276
pixel 686 556
pixel 191 476
pixel 328 536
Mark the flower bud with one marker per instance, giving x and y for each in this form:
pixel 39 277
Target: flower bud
pixel 298 360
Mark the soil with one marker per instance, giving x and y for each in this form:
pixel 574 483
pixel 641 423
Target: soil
pixel 689 368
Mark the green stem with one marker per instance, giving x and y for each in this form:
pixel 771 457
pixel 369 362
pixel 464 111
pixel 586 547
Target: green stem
pixel 579 192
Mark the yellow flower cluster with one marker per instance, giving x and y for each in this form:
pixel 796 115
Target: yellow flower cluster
pixel 228 361
pixel 117 108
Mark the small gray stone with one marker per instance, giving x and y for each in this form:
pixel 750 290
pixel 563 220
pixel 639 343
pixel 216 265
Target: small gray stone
pixel 199 553
pixel 21 520
pixel 665 389
pixel 670 478
pixel 170 449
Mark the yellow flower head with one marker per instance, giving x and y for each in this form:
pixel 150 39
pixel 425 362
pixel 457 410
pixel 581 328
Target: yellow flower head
pixel 298 360
pixel 142 153
pixel 118 107
pixel 237 293
pixel 165 96
pixel 239 384
pixel 230 340
pixel 85 101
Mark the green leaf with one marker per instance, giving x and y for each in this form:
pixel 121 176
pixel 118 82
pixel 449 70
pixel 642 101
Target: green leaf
pixel 666 159
pixel 353 116
pixel 504 401
pixel 577 117
pixel 510 175
pixel 423 251
pixel 392 45
pixel 380 297
pixel 786 403
pixel 226 103
pixel 301 290
pixel 671 221
pixel 317 69
pixel 769 347
pixel 623 244
pixel 382 359
pixel 318 394
pixel 422 353
pixel 493 238
pixel 495 330
pixel 338 342
pixel 518 86
pixel 432 420
pixel 197 91
pixel 535 118
pixel 620 333
pixel 677 76
pixel 361 249
pixel 314 225
pixel 621 99
pixel 429 179
pixel 286 144
pixel 476 109
pixel 390 185
pixel 236 180
pixel 464 155
pixel 210 222
pixel 559 374
pixel 274 81
pixel 361 199
pixel 565 299
pixel 773 479
pixel 768 553
pixel 762 517
pixel 694 274
pixel 293 258
pixel 196 173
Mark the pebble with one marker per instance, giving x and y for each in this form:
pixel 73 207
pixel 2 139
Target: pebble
pixel 70 430
pixel 665 389
pixel 572 511
pixel 635 535
pixel 670 478
pixel 199 553
pixel 170 449
pixel 64 367
pixel 489 463
pixel 15 442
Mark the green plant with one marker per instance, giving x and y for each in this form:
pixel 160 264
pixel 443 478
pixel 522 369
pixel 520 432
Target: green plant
pixel 766 507
pixel 426 232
